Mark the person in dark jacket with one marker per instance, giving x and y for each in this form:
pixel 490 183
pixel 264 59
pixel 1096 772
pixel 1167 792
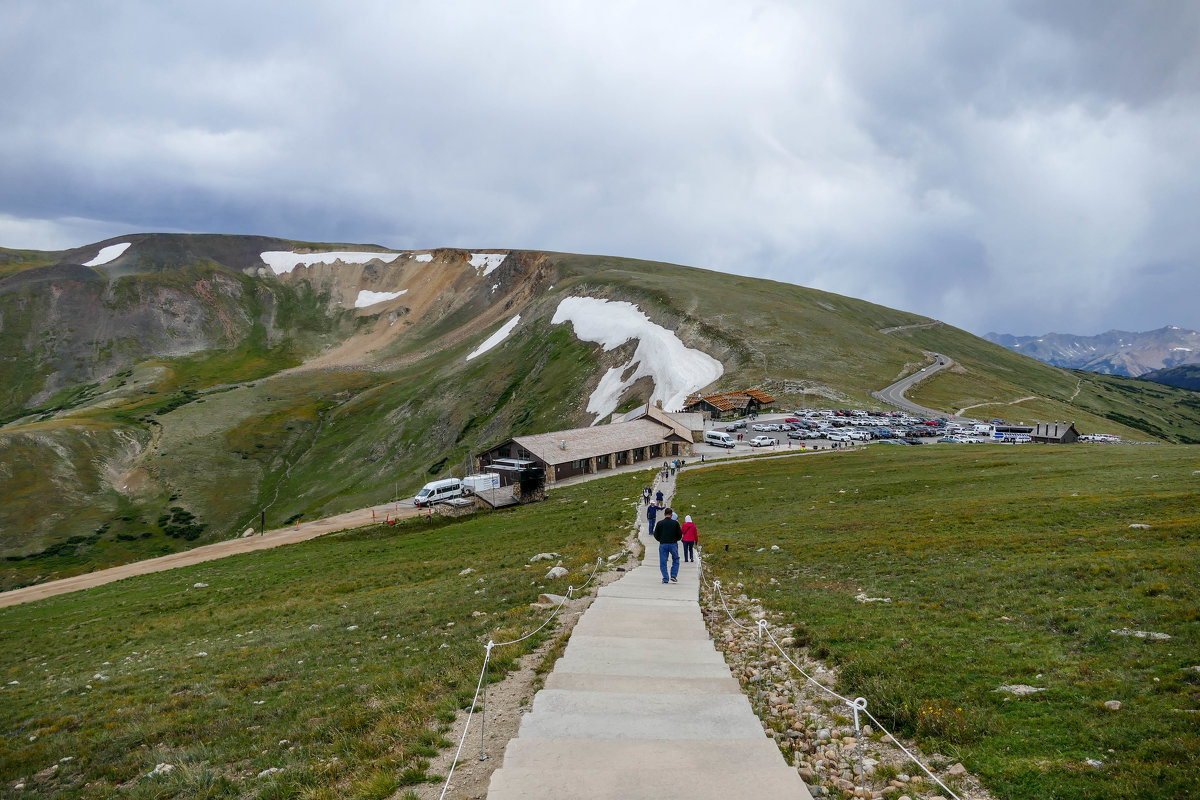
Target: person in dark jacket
pixel 668 533
pixel 690 537
pixel 658 496
pixel 651 513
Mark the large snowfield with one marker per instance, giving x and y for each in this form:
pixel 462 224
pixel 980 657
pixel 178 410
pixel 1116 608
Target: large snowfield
pixel 676 370
pixel 496 338
pixel 281 261
pixel 368 298
pixel 107 254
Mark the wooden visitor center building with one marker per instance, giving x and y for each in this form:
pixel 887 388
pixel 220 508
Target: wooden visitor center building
pixel 647 434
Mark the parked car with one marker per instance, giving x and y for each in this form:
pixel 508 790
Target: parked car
pixel 772 426
pixel 800 435
pixel 950 440
pixel 760 427
pixel 733 426
pixel 762 441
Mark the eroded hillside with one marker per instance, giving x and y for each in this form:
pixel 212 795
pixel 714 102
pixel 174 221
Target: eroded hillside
pixel 166 390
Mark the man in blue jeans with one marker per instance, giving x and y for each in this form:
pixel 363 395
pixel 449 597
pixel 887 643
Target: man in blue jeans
pixel 668 533
pixel 651 513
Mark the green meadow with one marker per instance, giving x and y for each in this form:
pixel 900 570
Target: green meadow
pixel 339 662
pixel 1003 565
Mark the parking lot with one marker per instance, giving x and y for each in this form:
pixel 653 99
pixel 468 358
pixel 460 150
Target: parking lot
pixel 826 429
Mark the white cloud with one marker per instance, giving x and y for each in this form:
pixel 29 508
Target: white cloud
pixel 914 155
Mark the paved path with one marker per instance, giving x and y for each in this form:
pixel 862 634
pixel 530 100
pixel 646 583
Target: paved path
pixel 641 706
pixel 894 394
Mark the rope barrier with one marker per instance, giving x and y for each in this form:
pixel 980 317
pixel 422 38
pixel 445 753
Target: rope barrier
pixel 599 561
pixel 482 685
pixel 467 727
pixel 570 591
pixel 857 705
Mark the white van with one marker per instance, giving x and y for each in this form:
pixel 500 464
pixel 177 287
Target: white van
pixel 718 438
pixel 437 491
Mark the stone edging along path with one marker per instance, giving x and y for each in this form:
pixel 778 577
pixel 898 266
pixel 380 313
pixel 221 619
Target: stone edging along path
pixel 642 706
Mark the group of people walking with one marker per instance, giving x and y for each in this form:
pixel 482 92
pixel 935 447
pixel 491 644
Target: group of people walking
pixel 669 532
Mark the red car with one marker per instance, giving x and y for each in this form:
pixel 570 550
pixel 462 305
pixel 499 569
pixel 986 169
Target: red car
pixel 792 419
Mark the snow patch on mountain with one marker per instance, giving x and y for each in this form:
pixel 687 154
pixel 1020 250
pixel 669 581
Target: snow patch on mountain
pixel 677 370
pixel 107 254
pixel 496 338
pixel 368 298
pixel 284 261
pixel 488 261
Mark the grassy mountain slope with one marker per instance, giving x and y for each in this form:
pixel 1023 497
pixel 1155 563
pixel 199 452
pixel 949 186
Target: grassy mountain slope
pixel 176 392
pixel 1186 376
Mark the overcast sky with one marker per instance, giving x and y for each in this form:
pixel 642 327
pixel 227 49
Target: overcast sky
pixel 1013 166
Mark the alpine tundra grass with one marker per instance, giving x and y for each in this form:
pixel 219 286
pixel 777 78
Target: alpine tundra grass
pixel 1000 565
pixel 329 668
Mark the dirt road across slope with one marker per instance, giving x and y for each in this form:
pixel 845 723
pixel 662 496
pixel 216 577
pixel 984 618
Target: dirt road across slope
pixel 211 552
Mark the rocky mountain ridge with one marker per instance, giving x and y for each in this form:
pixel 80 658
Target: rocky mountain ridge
pixel 1111 353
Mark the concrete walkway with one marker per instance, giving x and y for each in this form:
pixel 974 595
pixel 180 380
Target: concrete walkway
pixel 642 706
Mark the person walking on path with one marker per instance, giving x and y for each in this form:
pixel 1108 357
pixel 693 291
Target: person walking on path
pixel 651 513
pixel 690 537
pixel 646 495
pixel 659 497
pixel 668 533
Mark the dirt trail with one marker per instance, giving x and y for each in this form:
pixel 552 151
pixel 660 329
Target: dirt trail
pixel 918 325
pixel 211 552
pixel 997 403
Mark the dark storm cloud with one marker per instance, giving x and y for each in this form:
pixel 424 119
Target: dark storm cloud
pixel 936 158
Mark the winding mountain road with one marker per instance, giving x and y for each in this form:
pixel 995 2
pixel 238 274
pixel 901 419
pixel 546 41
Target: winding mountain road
pixel 894 394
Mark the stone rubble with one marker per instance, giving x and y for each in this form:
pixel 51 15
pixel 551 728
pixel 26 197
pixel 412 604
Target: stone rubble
pixel 812 726
pixel 1150 635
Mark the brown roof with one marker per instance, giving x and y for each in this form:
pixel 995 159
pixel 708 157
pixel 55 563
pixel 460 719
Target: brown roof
pixel 600 440
pixel 759 395
pixel 727 401
pixel 718 401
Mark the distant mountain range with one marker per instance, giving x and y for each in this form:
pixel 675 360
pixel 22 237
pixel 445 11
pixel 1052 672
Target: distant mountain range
pixel 1111 353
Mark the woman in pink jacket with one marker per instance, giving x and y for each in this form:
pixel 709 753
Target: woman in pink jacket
pixel 690 537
